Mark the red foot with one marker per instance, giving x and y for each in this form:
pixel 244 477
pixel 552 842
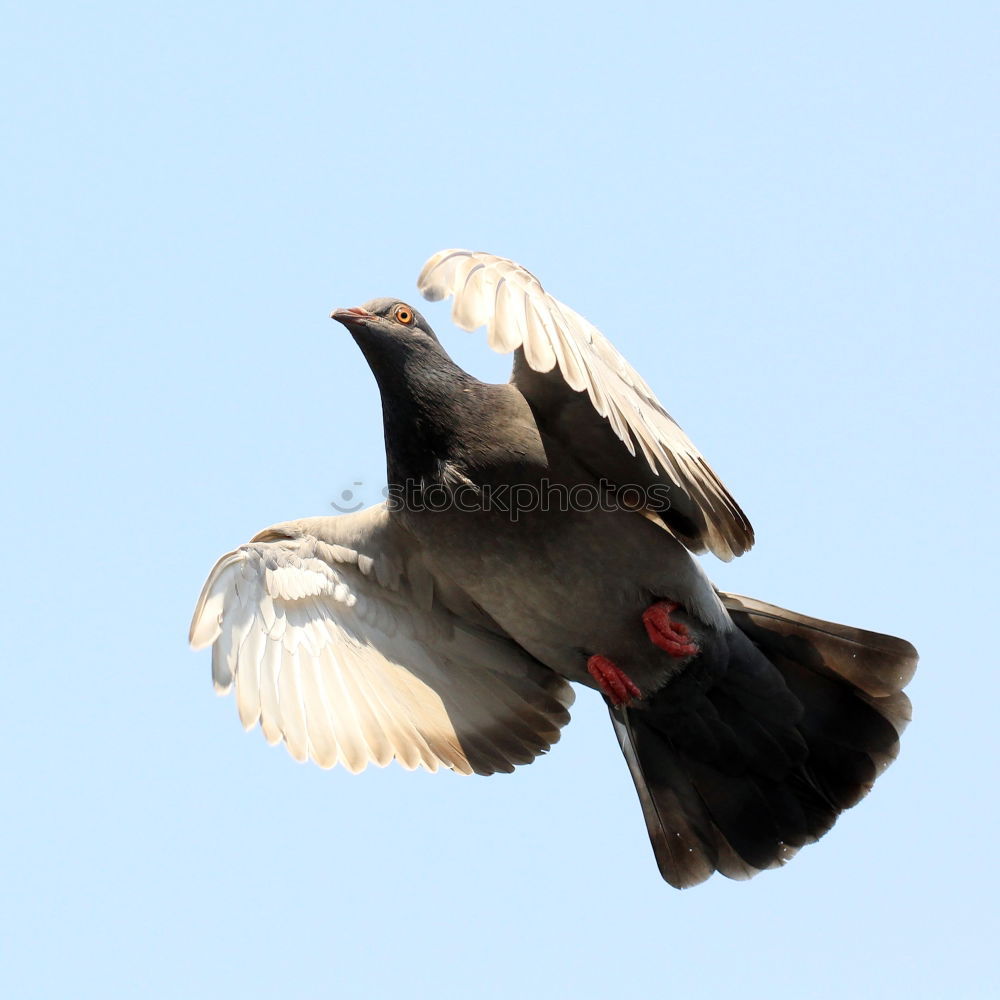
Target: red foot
pixel 618 686
pixel 672 637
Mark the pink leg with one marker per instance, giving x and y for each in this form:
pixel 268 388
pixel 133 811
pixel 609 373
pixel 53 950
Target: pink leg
pixel 672 637
pixel 616 684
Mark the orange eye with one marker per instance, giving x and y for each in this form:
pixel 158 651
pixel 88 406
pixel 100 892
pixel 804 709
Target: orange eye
pixel 404 315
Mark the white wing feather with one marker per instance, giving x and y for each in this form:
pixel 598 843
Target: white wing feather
pixel 517 312
pixel 347 671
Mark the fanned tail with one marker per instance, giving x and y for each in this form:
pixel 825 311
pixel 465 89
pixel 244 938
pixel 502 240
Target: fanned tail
pixel 737 771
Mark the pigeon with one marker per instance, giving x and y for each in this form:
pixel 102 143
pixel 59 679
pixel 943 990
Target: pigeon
pixel 537 535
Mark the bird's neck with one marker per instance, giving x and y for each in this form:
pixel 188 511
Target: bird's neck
pixel 427 403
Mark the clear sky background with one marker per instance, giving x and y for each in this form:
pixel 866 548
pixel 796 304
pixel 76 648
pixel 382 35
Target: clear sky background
pixel 785 216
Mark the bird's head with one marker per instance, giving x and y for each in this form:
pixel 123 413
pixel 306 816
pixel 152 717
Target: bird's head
pixel 385 319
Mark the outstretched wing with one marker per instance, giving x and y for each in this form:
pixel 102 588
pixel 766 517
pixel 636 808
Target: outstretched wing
pixel 560 357
pixel 337 644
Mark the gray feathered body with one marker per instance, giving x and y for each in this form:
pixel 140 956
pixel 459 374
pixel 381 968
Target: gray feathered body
pixel 561 579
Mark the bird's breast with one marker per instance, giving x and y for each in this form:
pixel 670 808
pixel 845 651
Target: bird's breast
pixel 565 583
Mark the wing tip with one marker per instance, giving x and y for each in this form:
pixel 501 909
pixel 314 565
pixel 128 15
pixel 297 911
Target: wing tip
pixel 204 631
pixel 430 290
pixel 206 622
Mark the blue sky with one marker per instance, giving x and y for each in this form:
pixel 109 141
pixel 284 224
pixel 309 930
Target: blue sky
pixel 785 217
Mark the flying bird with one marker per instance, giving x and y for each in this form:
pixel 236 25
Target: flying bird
pixel 539 534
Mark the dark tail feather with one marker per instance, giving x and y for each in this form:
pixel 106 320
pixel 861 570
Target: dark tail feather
pixel 738 770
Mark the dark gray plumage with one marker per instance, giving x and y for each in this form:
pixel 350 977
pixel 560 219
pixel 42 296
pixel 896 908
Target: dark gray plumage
pixel 443 626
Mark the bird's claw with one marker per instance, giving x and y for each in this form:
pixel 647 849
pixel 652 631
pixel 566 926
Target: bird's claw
pixel 672 637
pixel 615 683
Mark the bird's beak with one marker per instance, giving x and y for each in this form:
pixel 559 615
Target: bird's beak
pixel 351 317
